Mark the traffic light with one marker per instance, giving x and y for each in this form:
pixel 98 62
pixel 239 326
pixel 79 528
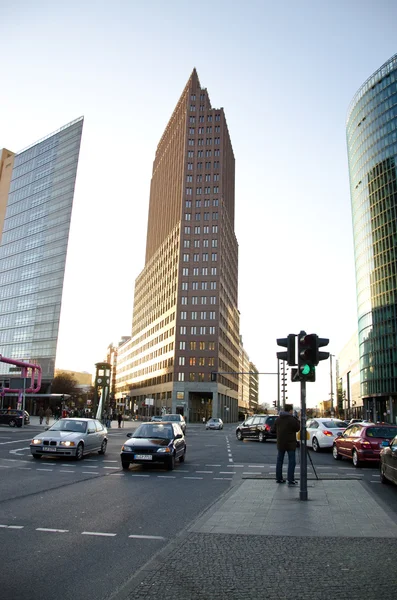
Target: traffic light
pixel 274 403
pixel 289 354
pixel 307 356
pixel 213 375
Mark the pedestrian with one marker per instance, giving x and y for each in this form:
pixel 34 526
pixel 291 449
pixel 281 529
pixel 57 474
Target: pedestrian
pixel 119 419
pixel 41 414
pixel 48 415
pixel 286 427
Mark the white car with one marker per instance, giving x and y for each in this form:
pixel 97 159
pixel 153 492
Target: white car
pixel 321 432
pixel 214 424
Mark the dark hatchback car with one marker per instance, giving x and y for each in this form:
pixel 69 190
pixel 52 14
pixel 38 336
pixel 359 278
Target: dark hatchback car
pixel 362 442
pixel 176 419
pixel 154 443
pixel 257 428
pixel 388 461
pixel 13 418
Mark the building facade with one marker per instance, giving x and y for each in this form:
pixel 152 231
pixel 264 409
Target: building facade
pixel 350 402
pixel 372 154
pixel 34 243
pixel 186 320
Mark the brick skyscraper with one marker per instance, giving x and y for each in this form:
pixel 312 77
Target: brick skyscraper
pixel 186 319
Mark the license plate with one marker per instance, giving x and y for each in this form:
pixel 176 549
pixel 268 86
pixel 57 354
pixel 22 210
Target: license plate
pixel 143 457
pixel 48 449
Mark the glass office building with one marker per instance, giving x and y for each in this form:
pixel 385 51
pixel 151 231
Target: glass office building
pixel 33 247
pixel 372 154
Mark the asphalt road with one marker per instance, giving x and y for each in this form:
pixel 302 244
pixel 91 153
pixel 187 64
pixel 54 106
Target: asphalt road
pixel 83 528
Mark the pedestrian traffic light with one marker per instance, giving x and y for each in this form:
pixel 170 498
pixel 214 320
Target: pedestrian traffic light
pixel 213 375
pixel 274 403
pixel 307 356
pixel 289 354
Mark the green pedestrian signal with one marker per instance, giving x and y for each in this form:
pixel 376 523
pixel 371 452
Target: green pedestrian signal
pixel 305 370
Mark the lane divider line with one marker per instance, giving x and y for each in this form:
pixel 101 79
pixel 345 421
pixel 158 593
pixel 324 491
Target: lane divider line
pixel 147 537
pixel 52 530
pixel 98 533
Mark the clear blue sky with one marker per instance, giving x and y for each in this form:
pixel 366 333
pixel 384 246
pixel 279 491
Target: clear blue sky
pixel 285 74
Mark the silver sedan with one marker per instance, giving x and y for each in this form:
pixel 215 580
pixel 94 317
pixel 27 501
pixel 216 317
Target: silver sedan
pixel 71 437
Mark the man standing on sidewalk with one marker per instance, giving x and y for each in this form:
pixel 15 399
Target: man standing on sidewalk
pixel 286 426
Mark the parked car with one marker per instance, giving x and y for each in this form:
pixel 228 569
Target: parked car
pixel 214 423
pixel 322 431
pixel 156 418
pixel 388 461
pixel 176 419
pixel 71 437
pixel 13 418
pixel 154 443
pixel 362 442
pixel 257 427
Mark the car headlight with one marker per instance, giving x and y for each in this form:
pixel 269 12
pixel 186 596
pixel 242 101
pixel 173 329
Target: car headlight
pixel 67 443
pixel 35 442
pixel 126 449
pixel 164 450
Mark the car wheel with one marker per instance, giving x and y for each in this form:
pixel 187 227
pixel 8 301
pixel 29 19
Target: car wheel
pixel 383 478
pixel 79 451
pixel 125 465
pixel 36 456
pixel 182 458
pixel 315 445
pixel 103 447
pixel 261 437
pixel 171 463
pixel 12 422
pixel 239 435
pixel 335 453
pixel 356 460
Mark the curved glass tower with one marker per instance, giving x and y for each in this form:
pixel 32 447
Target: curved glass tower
pixel 372 154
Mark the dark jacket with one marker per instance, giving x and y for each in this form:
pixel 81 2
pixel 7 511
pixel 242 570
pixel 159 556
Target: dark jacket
pixel 286 426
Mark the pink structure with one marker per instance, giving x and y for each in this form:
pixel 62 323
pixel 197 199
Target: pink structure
pixel 24 366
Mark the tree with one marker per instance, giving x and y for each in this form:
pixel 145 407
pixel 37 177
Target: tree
pixel 64 383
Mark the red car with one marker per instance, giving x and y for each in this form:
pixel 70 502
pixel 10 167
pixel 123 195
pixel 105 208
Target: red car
pixel 362 442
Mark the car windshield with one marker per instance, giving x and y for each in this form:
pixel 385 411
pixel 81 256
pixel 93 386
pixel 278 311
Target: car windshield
pixel 214 420
pixel 387 433
pixel 334 424
pixel 69 425
pixel 155 430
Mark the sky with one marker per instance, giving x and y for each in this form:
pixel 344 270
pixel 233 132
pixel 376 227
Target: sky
pixel 285 74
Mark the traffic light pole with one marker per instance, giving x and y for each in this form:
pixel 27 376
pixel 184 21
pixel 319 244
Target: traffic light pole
pixel 303 445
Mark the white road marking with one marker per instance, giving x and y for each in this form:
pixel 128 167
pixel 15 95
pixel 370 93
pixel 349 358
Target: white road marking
pixel 212 465
pixel 204 471
pixel 44 469
pixel 193 478
pixel 25 468
pixel 90 472
pixel 92 467
pixel 12 526
pixel 5 466
pixel 223 478
pixel 98 533
pixel 52 530
pixel 91 460
pixel 66 471
pixel 112 461
pixel 227 472
pixel 16 442
pixel 138 475
pixel 256 466
pixel 237 466
pixel 251 473
pixel 147 537
pixel 111 467
pixel 166 476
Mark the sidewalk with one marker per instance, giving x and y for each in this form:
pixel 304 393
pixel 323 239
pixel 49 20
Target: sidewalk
pixel 128 425
pixel 261 542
